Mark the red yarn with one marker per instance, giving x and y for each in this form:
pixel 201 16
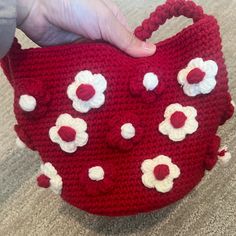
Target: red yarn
pixel 24 136
pixel 195 76
pixel 212 153
pixel 46 73
pixel 161 172
pixel 85 92
pixel 178 119
pixel 230 111
pixel 43 181
pixel 222 153
pixel 67 134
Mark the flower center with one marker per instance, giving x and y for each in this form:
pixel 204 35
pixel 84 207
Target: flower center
pixel 67 133
pixel 85 92
pixel 127 131
pixel 43 181
pixel 161 171
pixel 178 119
pixel 96 173
pixel 195 76
pixel 150 81
pixel 27 103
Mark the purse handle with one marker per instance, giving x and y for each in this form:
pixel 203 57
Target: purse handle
pixel 172 8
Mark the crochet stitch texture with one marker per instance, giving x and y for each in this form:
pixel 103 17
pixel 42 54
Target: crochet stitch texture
pixel 111 157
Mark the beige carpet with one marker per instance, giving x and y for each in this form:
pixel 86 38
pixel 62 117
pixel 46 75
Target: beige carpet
pixel 209 210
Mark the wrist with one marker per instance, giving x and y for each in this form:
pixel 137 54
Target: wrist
pixel 23 8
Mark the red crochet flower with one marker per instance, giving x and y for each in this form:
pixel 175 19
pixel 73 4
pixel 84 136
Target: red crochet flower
pixel 97 178
pixel 125 131
pixel 32 98
pixel 149 86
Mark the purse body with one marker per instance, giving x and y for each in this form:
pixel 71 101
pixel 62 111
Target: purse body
pixel 46 74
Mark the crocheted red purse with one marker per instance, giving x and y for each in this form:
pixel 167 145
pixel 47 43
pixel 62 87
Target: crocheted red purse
pixel 119 135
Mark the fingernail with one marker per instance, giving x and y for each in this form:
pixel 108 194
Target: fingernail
pixel 149 46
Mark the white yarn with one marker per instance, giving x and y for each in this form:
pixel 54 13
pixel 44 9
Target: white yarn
pixel 150 81
pixel 127 131
pixel 96 173
pixel 27 103
pixel 19 143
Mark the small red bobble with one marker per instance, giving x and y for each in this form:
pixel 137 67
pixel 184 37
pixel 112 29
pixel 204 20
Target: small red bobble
pixel 195 76
pixel 43 181
pixel 161 172
pixel 222 153
pixel 85 92
pixel 67 133
pixel 178 119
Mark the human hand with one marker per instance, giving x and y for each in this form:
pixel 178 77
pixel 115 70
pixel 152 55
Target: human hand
pixel 52 22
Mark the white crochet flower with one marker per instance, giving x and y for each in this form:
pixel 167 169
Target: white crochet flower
pixel 159 173
pixel 69 133
pixel 179 121
pixel 55 180
pixel 87 91
pixel 199 77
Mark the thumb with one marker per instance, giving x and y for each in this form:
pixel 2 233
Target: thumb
pixel 116 33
